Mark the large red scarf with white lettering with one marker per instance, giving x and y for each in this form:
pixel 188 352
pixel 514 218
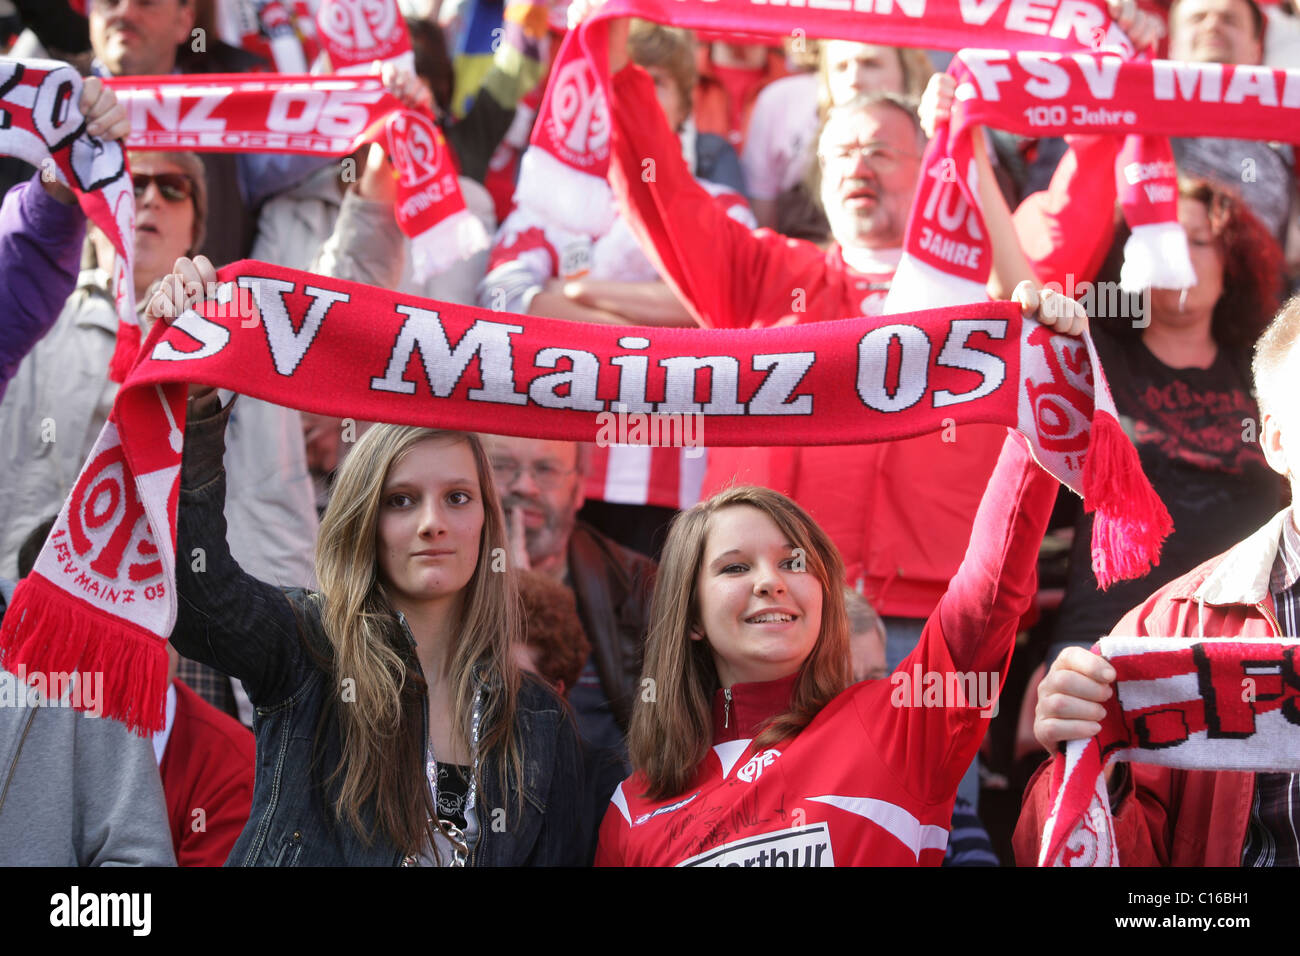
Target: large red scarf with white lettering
pixel 329 116
pixel 1195 704
pixel 570 153
pixel 947 252
pixel 102 595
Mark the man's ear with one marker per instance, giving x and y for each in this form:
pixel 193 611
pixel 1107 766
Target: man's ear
pixel 185 17
pixel 579 492
pixel 1270 440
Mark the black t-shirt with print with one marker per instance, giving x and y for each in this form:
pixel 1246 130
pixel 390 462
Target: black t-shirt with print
pixel 453 789
pixel 1196 432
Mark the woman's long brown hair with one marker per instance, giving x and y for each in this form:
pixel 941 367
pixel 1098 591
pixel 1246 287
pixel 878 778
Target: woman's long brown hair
pixel 672 723
pixel 379 689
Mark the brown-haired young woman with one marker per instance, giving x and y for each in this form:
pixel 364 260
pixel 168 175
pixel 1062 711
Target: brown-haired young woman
pixel 393 726
pixel 749 746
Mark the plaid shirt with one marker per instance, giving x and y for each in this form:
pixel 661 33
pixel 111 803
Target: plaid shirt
pixel 1273 837
pixel 212 685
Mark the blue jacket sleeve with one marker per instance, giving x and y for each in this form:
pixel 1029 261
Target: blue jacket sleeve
pixel 40 250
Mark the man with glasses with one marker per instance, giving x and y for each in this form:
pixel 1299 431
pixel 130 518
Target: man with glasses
pixel 876 501
pixel 541 488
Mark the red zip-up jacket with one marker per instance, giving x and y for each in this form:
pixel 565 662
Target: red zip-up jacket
pixel 1167 817
pixel 900 512
pixel 872 779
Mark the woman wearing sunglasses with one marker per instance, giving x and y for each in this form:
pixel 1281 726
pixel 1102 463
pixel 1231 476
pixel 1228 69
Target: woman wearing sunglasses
pixel 753 749
pixel 64 380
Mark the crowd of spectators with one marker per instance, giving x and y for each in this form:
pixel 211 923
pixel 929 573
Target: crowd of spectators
pixel 760 148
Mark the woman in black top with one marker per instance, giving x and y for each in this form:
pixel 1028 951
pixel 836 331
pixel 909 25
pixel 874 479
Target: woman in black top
pixel 1179 370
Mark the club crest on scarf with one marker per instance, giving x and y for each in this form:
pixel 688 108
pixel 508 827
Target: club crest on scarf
pixel 578 121
pixel 416 147
pixel 1058 386
pixel 358 32
pixel 107 527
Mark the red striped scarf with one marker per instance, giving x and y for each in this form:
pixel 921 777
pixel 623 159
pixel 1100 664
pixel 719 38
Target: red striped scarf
pixel 947 251
pixel 1197 704
pixel 329 116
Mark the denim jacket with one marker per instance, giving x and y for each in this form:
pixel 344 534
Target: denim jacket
pixel 261 634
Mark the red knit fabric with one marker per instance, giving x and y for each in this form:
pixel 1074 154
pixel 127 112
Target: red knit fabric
pixel 207 777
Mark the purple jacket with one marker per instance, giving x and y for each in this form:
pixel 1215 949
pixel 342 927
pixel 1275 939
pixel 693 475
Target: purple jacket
pixel 40 252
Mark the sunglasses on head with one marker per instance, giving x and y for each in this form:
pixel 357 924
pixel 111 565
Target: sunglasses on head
pixel 173 187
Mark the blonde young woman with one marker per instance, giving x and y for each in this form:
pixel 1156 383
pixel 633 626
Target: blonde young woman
pixel 393 727
pixel 748 744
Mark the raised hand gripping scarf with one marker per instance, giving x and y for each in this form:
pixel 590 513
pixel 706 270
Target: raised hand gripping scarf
pixel 1193 704
pixel 947 252
pixel 103 588
pixel 571 136
pixel 329 116
pixel 41 124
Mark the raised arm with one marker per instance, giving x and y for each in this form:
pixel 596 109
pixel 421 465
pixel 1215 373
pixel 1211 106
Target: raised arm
pixel 41 232
pixel 40 248
pixel 1010 266
pixel 995 582
pixel 1067 229
pixel 226 618
pixel 727 275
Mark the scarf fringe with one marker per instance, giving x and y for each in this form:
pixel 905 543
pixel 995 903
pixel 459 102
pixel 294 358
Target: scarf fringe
pixel 1131 522
pixel 452 240
pixel 45 630
pixel 1156 257
pixel 569 198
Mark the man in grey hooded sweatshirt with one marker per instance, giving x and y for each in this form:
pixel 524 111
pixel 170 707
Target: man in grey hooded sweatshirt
pixel 75 790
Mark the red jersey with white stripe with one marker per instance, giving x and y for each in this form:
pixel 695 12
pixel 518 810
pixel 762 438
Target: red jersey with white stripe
pixel 872 779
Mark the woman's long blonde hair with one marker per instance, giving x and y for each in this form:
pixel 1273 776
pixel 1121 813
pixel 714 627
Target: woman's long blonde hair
pixel 379 687
pixel 672 728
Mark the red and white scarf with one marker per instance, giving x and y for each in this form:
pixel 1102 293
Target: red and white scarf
pixel 41 123
pixel 947 254
pixel 103 588
pixel 1220 704
pixel 572 132
pixel 358 33
pixel 329 116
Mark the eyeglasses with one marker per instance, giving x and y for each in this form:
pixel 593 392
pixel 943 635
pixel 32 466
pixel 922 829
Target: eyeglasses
pixel 545 474
pixel 880 158
pixel 114 4
pixel 173 187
